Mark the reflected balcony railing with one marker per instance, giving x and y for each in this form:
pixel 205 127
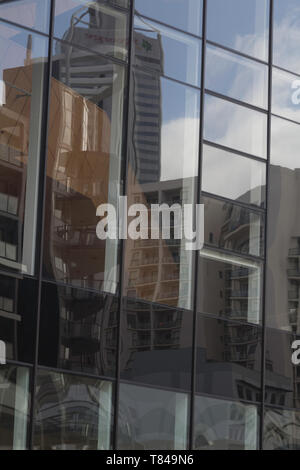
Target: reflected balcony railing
pixel 295 272
pixel 293 295
pixel 89 331
pixel 294 251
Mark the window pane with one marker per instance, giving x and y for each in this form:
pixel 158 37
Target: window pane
pixel 84 167
pixel 245 130
pixel 286 52
pixel 229 286
pixel 286 95
pixel 72 412
pixel 151 419
pixel 22 67
pixel 183 14
pixel 233 176
pixel 161 49
pixel 283 279
pixel 228 359
pixel 281 429
pixel 242 25
pixel 236 77
pixel 157 345
pixel 78 330
pixel 94 25
pixel 225 425
pixel 233 227
pixel 31 13
pixel 162 169
pixel 14 407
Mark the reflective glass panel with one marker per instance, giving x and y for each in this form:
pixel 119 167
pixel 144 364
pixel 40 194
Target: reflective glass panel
pixel 237 77
pixel 162 171
pixel 31 13
pixel 242 25
pixel 22 67
pixel 72 412
pixel 152 419
pixel 281 429
pixel 246 130
pixel 286 52
pixel 161 49
pixel 233 176
pixel 156 344
pixel 93 25
pixel 228 361
pixel 183 14
pixel 283 273
pixel 229 286
pixel 83 169
pixel 14 407
pixel 233 227
pixel 286 95
pixel 78 330
pixel 225 425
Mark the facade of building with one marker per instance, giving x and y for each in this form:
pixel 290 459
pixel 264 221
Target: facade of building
pixel 142 344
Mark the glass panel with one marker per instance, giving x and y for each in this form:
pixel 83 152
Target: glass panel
pixel 281 430
pixel 162 169
pixel 283 276
pixel 230 286
pixel 242 25
pixel 225 425
pixel 14 407
pixel 233 176
pixel 286 52
pixel 84 167
pixel 93 25
pixel 161 49
pixel 78 330
pixel 228 359
pixel 236 77
pixel 22 67
pixel 31 13
pixel 156 345
pixel 246 130
pixel 286 95
pixel 183 14
pixel 233 227
pixel 18 306
pixel 151 419
pixel 72 412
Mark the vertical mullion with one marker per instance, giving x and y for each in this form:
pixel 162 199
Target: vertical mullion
pixel 263 362
pixel 122 242
pixel 197 256
pixel 42 196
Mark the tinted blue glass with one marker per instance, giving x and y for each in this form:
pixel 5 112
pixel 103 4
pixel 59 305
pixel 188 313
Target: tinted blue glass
pixel 286 52
pixel 31 13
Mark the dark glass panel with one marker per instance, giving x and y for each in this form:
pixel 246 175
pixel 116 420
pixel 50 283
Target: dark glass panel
pixel 14 407
pixel 229 286
pixel 152 419
pixel 22 67
pixel 161 48
pixel 228 359
pixel 242 25
pixel 286 52
pixel 183 14
pixel 237 77
pixel 225 425
pixel 245 131
pixel 78 330
pixel 94 25
pixel 84 167
pixel 232 227
pixel 281 429
pixel 31 13
pixel 18 306
pixel 72 412
pixel 156 345
pixel 234 177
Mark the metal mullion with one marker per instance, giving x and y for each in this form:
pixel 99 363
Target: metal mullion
pixel 42 194
pixel 197 255
pixel 235 151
